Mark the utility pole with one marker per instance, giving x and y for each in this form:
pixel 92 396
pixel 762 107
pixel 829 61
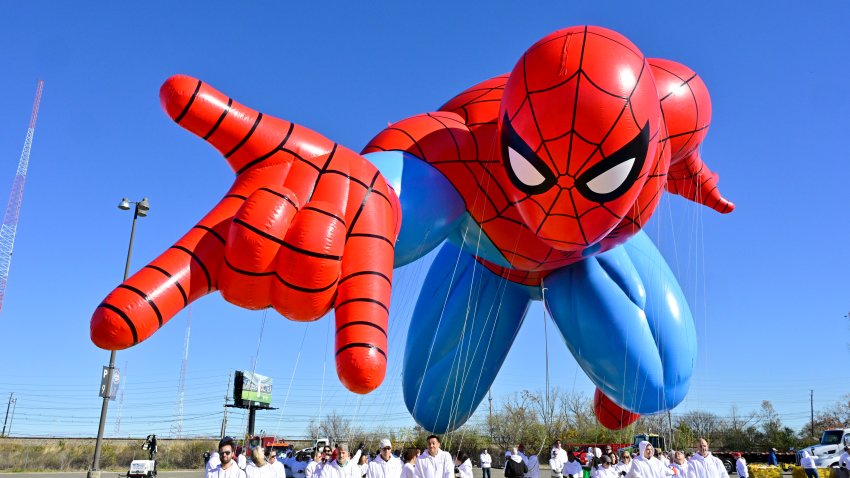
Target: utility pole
pixel 8 405
pixel 490 421
pixel 670 425
pixel 812 408
pixel 490 399
pixel 226 398
pixel 12 418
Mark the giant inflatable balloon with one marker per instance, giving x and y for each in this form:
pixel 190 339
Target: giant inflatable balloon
pixel 537 179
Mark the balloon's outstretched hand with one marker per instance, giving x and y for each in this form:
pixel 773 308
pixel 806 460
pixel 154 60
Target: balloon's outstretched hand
pixel 307 226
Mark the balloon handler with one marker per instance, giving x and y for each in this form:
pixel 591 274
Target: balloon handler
pixel 534 182
pixel 145 468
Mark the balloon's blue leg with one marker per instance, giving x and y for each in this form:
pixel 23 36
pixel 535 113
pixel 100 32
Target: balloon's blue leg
pixel 626 321
pixel 464 323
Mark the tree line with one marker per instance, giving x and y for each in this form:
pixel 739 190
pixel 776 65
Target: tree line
pixel 537 418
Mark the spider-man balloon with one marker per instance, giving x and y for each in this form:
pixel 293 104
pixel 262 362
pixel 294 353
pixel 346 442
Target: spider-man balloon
pixel 541 177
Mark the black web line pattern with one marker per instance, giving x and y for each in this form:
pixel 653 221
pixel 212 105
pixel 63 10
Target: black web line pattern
pixel 578 75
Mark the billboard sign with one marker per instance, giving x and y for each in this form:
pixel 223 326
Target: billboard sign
pixel 252 388
pixel 104 381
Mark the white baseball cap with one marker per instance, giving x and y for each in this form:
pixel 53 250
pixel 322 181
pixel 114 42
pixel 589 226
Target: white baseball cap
pixel 385 443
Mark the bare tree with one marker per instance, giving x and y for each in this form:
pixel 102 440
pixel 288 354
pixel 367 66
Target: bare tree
pixel 739 430
pixel 313 429
pixel 702 424
pixel 549 413
pixel 738 421
pixel 836 416
pixel 517 422
pixel 576 410
pixel 335 427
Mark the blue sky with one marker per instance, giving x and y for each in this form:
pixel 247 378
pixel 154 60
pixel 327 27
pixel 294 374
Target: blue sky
pixel 768 284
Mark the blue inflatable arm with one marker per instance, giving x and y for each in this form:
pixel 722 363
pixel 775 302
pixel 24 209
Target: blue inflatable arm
pixel 431 208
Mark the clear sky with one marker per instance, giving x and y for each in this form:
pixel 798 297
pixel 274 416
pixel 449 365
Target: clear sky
pixel 769 285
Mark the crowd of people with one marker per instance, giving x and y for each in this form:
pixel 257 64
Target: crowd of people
pixel 225 463
pixel 433 462
pixel 341 463
pixel 647 463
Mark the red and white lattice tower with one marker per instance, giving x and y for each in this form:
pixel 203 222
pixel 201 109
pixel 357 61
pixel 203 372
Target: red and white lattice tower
pixel 13 208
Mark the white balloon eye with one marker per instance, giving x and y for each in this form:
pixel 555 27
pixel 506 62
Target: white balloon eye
pixel 610 180
pixel 524 171
pixel 615 174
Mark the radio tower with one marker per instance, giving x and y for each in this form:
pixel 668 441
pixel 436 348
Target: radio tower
pixel 121 400
pixel 182 387
pixel 13 208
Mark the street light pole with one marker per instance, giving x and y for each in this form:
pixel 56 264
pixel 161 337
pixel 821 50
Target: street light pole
pixel 141 210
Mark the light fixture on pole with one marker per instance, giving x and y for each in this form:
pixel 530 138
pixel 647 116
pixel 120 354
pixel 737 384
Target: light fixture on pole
pixel 141 210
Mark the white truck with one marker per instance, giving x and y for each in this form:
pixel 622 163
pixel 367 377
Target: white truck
pixel 830 448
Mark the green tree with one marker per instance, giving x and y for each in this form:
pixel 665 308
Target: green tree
pixel 773 433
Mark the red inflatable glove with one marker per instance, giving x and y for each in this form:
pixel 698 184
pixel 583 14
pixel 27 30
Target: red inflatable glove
pixel 307 225
pixel 687 114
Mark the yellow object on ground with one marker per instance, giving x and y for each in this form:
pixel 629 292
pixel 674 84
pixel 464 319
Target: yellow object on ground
pixel 765 471
pixel 797 472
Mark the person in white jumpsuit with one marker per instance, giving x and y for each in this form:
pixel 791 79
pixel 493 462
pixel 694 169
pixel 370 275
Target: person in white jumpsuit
pixel 555 464
pixel 464 465
pixel 280 471
pixel 681 464
pixel 227 468
pixel 486 462
pixel 434 462
pixel 645 465
pixel 363 463
pixel 213 462
pixel 741 466
pixel 409 468
pixel 314 465
pixel 343 466
pixel 706 465
pixel 385 465
pixel 622 467
pixel 559 452
pixel 604 469
pixel 662 457
pixel 259 467
pixel 807 462
pixel 572 467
